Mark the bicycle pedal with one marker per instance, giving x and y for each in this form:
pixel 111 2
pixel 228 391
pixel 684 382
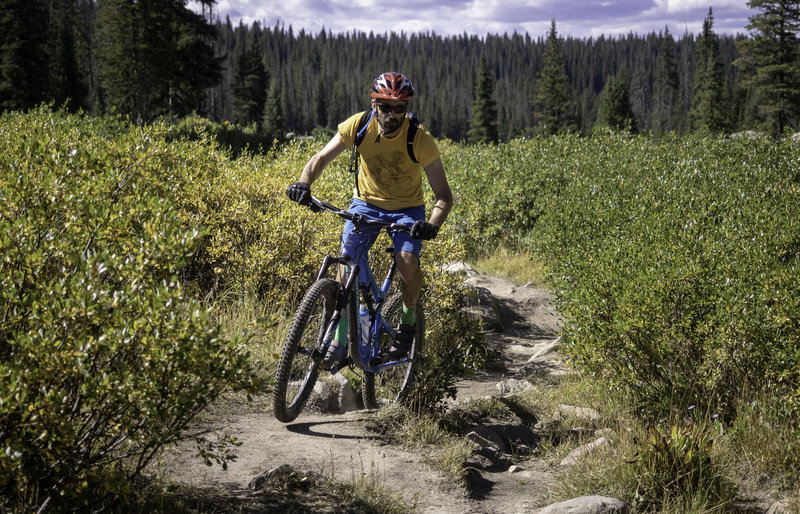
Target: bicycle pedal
pixel 340 365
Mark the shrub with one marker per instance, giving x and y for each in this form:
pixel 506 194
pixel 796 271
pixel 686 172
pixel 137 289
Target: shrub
pixel 234 138
pixel 103 357
pixel 673 261
pixel 673 265
pixel 676 469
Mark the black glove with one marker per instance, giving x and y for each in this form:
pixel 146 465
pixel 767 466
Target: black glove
pixel 299 192
pixel 424 230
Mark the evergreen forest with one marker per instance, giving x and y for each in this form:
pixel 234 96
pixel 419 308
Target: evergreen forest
pixel 152 59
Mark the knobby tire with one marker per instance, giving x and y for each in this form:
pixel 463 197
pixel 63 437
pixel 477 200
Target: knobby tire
pixel 300 360
pixel 394 384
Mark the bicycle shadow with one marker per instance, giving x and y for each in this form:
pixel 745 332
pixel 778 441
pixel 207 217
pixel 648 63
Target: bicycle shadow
pixel 310 428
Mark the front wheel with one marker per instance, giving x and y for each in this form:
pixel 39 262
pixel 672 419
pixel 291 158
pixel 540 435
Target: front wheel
pixel 394 383
pixel 299 364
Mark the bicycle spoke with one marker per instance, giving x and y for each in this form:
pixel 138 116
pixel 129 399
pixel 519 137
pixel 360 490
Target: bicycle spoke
pixel 393 383
pixel 300 361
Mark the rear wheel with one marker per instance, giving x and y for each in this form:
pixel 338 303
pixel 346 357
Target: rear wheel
pixel 393 384
pixel 302 354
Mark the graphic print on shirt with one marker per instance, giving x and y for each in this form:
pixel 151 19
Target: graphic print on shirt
pixel 389 172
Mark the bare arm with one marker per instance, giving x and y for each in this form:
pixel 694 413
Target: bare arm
pixel 317 164
pixel 441 191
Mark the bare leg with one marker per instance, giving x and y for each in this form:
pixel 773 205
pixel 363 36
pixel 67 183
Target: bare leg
pixel 410 277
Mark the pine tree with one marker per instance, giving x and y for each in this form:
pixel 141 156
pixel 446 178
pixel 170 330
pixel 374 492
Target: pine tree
pixel 554 106
pixel 273 126
pixel 708 108
pixel 665 88
pixel 483 126
pixel 615 105
pixel 154 57
pixel 770 60
pixel 24 62
pixel 250 83
pixel 67 83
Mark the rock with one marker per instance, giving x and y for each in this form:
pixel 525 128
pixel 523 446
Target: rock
pixel 460 268
pixel 544 348
pixel 513 386
pixel 485 437
pixel 581 451
pixel 587 505
pixel 604 432
pixel 521 349
pixel 515 469
pixel 323 398
pixel 259 480
pixel 746 134
pixel 347 400
pixel 478 461
pixel 582 413
pixel 516 435
pixel 484 306
pixel 782 507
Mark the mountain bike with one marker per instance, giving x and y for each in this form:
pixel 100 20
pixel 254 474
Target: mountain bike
pixel 373 314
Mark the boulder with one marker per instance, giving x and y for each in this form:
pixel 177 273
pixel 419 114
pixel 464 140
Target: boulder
pixel 347 400
pixel 513 386
pixel 587 505
pixel 581 451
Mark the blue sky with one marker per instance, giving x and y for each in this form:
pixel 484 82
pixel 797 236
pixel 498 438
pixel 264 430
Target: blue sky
pixel 575 18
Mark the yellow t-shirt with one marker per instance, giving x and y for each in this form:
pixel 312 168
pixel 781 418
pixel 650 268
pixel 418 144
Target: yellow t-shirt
pixel 388 178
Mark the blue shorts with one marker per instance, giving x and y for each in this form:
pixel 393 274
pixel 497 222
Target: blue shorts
pixel 353 244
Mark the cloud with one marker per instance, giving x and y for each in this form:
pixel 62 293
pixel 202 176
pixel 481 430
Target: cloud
pixel 576 18
pixel 676 6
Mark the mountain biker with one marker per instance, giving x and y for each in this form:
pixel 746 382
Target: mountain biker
pixel 389 187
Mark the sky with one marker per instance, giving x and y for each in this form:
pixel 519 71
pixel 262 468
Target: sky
pixel 575 18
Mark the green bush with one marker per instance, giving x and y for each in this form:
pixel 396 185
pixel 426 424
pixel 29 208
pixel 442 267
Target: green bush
pixel 234 138
pixel 499 192
pixel 674 261
pixel 103 357
pixel 674 266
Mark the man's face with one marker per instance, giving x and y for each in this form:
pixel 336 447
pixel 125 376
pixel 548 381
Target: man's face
pixel 391 114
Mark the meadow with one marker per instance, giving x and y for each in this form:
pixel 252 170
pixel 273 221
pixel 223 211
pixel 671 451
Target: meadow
pixel 145 272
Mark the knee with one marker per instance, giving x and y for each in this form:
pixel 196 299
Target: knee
pixel 407 262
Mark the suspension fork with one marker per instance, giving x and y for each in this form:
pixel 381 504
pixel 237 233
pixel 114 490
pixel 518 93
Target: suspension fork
pixel 342 298
pixel 387 282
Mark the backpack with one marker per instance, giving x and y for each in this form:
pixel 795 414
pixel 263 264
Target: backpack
pixel 361 131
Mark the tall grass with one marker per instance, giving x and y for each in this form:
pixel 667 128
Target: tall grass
pixel 521 267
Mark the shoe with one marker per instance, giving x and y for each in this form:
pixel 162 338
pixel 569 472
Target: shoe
pixel 336 353
pixel 402 344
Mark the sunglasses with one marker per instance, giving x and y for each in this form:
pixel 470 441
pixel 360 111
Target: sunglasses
pixel 397 109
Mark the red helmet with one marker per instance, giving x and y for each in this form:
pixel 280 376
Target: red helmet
pixel 392 86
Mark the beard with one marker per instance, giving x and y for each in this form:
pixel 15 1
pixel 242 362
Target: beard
pixel 390 125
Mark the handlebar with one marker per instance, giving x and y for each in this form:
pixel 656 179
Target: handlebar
pixel 359 220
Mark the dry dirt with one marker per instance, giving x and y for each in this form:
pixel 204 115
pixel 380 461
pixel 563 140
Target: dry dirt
pixel 341 447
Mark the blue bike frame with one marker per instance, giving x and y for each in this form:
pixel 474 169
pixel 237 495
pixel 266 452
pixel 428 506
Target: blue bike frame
pixel 361 279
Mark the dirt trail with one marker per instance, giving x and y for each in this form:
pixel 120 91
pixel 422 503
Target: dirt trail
pixel 340 446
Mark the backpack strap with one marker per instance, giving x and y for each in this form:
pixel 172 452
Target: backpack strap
pixel 361 131
pixel 413 126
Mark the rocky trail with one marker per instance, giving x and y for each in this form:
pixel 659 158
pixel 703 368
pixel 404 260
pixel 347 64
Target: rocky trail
pixel 523 328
